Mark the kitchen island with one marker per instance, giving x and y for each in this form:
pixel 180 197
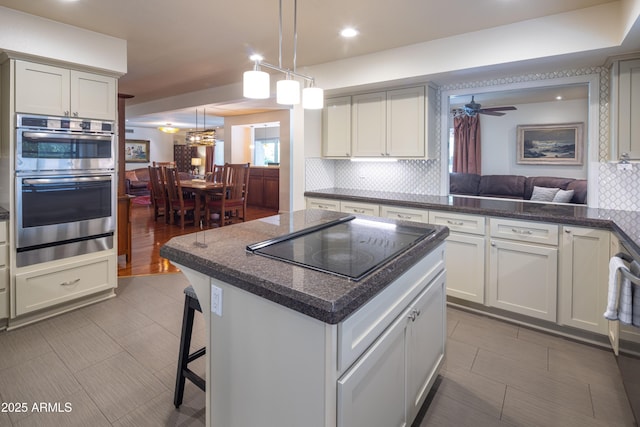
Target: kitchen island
pixel 292 346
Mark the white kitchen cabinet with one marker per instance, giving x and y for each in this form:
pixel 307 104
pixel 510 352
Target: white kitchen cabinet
pixel 625 106
pixel 369 125
pixel 324 204
pixel 584 272
pixel 406 122
pixel 406 214
pixel 48 90
pixel 336 127
pixel 523 275
pixel 45 285
pixel 390 123
pixel 389 383
pixel 4 273
pixel 465 254
pixel 359 208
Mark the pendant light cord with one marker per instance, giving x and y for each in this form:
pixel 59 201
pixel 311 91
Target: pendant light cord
pixel 295 33
pixel 280 38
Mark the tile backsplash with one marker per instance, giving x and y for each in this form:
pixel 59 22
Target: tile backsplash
pixel 616 189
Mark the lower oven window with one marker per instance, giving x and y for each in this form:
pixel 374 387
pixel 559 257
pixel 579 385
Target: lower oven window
pixel 47 201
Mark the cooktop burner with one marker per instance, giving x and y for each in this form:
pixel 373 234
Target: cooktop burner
pixel 349 247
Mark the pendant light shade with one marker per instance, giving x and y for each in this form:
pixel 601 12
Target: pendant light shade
pixel 288 92
pixel 312 98
pixel 256 84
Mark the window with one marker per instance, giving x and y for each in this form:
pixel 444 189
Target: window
pixel 266 146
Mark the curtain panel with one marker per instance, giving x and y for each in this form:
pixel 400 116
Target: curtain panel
pixel 467 156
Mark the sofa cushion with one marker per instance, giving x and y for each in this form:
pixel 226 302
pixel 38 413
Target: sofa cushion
pixel 507 186
pixel 131 175
pixel 543 194
pixel 563 196
pixel 544 181
pixel 579 187
pixel 464 183
pixel 142 174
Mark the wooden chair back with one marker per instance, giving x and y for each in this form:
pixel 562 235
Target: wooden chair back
pixel 176 201
pixel 158 190
pixel 237 181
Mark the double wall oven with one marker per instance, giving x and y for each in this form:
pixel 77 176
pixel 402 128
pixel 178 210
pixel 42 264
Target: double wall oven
pixel 65 187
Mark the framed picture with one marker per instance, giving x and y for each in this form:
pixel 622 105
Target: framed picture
pixel 136 151
pixel 557 144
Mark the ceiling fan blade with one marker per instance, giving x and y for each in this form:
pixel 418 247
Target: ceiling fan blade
pixel 509 108
pixel 491 113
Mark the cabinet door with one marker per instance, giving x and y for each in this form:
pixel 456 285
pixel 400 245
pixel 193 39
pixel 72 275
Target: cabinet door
pixel 372 392
pixel 42 89
pixel 360 208
pixel 255 194
pixel 584 271
pixel 465 267
pixel 271 191
pixel 425 340
pixel 406 122
pixel 336 122
pixel 92 96
pixel 327 205
pixel 523 278
pixel 628 107
pixel 369 125
pixel 407 214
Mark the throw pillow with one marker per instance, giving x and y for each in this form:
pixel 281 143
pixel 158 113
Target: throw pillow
pixel 543 194
pixel 131 175
pixel 563 196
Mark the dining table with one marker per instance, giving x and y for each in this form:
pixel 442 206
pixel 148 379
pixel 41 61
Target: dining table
pixel 201 189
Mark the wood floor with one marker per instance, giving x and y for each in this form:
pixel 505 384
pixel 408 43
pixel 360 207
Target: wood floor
pixel 148 236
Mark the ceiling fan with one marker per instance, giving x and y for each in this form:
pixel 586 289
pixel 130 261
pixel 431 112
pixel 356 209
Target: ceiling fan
pixel 473 108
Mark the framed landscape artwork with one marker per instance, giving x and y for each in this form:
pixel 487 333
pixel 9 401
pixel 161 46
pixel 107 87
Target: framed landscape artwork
pixel 136 151
pixel 557 144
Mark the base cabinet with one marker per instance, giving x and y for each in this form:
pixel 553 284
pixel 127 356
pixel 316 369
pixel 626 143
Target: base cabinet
pixel 584 272
pixel 465 266
pixel 4 273
pixel 389 383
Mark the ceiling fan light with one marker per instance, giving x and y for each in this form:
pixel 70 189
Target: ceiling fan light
pixel 312 98
pixel 255 84
pixel 168 129
pixel 288 92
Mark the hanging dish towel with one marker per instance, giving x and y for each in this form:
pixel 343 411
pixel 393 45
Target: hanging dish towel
pixel 619 308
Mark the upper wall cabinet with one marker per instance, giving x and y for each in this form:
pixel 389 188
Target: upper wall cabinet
pixel 625 107
pixel 55 91
pixel 336 127
pixel 393 123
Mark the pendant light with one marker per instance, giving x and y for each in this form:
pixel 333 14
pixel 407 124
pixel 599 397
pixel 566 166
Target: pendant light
pixel 256 83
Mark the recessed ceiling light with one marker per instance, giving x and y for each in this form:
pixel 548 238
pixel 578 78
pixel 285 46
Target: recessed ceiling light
pixel 559 98
pixel 349 32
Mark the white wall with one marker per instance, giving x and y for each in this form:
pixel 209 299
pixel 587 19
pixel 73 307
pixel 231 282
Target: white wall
pixel 160 145
pixel 499 138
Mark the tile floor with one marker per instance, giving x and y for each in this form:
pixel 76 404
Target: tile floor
pixel 114 364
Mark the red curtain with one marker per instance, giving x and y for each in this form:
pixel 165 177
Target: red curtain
pixel 466 144
pixel 208 159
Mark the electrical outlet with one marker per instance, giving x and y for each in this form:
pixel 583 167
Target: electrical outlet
pixel 216 300
pixel 624 166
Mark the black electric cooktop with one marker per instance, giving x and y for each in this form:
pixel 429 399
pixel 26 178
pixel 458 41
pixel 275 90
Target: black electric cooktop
pixel 349 247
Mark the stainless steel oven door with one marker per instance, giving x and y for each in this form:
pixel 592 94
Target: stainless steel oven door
pixel 64 151
pixel 63 208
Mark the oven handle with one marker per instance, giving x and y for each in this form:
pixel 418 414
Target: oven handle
pixel 51 135
pixel 32 181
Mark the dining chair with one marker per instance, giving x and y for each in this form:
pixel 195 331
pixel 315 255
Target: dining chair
pixel 232 204
pixel 158 192
pixel 176 201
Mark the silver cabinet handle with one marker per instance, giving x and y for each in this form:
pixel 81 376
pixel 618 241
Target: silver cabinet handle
pixel 567 230
pixel 493 243
pixel 413 315
pixel 69 282
pixel 403 216
pixel 359 210
pixel 455 222
pixel 66 113
pixel 527 232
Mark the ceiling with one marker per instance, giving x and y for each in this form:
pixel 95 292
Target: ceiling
pixel 176 47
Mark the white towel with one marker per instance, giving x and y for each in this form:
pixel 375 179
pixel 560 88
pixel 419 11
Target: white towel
pixel 618 308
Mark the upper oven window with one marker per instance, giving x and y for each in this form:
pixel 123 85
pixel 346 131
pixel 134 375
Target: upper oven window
pixel 44 145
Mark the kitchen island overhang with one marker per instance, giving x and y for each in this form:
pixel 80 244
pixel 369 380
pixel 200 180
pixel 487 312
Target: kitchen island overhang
pixel 302 347
pixel 319 295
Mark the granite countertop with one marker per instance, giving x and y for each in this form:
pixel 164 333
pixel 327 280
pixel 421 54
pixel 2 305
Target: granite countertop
pixel 323 296
pixel 626 224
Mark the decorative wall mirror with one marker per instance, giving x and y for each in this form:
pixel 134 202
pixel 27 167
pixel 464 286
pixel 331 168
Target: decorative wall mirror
pixel 547 128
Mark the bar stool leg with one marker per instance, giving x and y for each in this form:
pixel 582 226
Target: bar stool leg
pixel 183 357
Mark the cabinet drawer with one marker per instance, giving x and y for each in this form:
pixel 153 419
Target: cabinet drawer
pixel 524 231
pixel 39 289
pixel 327 205
pixel 394 212
pixel 360 208
pixel 363 327
pixel 458 222
pixel 3 256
